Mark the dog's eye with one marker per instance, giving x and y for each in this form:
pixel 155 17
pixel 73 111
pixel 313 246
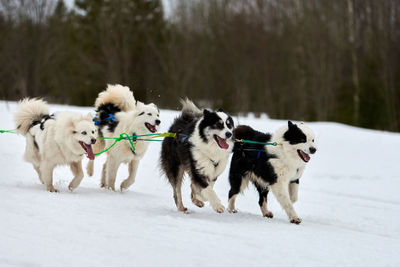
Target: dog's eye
pixel 74 132
pixel 141 113
pixel 313 140
pixel 149 114
pixel 92 132
pixel 219 125
pixel 84 132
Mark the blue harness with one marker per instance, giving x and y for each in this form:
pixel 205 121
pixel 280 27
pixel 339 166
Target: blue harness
pixel 110 117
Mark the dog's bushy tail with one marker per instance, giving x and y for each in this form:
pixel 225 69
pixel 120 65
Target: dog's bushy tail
pixel 189 110
pixel 29 113
pixel 117 95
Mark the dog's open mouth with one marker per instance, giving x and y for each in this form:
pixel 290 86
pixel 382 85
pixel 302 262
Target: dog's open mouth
pixel 150 127
pixel 221 142
pixel 303 155
pixel 88 149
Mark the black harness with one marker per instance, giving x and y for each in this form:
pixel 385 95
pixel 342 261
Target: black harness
pixel 42 121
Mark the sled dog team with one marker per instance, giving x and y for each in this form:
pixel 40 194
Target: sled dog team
pixel 202 147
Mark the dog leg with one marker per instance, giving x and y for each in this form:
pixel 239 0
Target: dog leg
pixel 195 196
pixel 209 194
pixel 177 190
pixel 111 172
pixel 133 166
pixel 263 193
pixel 37 169
pixel 293 191
pixel 237 185
pixel 47 176
pixel 90 168
pixel 76 168
pixel 281 193
pixel 103 183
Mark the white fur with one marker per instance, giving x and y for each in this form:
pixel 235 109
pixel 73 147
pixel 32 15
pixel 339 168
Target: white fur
pixel 289 167
pixel 206 155
pixel 117 94
pixel 131 121
pixel 58 142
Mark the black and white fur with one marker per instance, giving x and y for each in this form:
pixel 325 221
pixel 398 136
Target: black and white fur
pixel 128 116
pixel 201 148
pixel 278 168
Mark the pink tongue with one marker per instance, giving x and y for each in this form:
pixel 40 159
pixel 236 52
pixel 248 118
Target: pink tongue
pixel 89 151
pixel 222 143
pixel 305 156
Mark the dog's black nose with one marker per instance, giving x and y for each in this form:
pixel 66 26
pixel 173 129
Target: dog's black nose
pixel 158 122
pixel 93 141
pixel 313 150
pixel 228 134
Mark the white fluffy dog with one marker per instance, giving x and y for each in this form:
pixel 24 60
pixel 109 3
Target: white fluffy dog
pixel 117 112
pixel 53 140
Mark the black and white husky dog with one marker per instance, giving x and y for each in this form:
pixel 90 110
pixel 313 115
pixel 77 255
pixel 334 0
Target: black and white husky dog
pixel 278 168
pixel 201 148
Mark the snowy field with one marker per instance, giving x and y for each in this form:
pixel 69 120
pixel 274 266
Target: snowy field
pixel 349 201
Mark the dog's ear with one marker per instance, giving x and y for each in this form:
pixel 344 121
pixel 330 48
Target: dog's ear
pixel 291 125
pixel 220 110
pixel 206 112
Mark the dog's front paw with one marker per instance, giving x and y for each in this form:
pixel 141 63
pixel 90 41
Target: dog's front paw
pixel 198 203
pixel 124 186
pixel 219 208
pixel 232 211
pixel 269 214
pixel 296 220
pixel 52 189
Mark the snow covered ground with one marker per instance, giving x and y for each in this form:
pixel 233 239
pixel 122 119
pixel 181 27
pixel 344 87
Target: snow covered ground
pixel 348 199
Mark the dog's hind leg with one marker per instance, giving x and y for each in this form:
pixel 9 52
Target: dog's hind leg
pixel 281 192
pixel 133 166
pixel 46 169
pixel 176 183
pixel 238 184
pixel 111 172
pixel 263 193
pixel 76 168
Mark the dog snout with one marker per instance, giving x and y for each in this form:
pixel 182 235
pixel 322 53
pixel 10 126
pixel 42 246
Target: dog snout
pixel 93 141
pixel 313 150
pixel 228 134
pixel 158 122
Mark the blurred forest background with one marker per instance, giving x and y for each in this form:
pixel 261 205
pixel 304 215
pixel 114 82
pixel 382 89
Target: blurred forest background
pixel 307 60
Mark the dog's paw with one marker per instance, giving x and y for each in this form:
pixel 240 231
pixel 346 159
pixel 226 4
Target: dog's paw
pixel 198 203
pixel 112 188
pixel 184 210
pixel 232 211
pixel 269 214
pixel 52 190
pixel 219 208
pixel 124 186
pixel 295 220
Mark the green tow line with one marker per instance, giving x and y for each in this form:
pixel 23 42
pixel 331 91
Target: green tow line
pixel 150 137
pixel 7 131
pixel 133 138
pixel 255 142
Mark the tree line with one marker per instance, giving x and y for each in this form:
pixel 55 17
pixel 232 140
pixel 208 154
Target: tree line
pixel 298 59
